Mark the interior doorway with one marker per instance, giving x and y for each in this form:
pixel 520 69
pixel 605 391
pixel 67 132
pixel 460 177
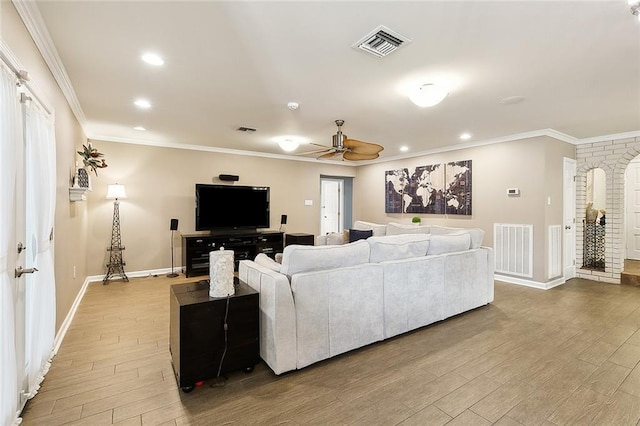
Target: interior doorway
pixel 569 218
pixel 632 210
pixel 335 203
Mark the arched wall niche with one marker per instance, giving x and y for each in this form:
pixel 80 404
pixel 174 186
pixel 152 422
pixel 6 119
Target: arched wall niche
pixel 613 157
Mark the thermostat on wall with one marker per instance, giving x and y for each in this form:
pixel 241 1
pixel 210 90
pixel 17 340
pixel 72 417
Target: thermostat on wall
pixel 513 191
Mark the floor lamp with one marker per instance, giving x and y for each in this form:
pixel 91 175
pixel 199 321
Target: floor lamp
pixel 116 263
pixel 173 227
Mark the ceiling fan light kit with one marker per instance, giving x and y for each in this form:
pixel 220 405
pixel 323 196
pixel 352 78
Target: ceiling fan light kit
pixel 428 95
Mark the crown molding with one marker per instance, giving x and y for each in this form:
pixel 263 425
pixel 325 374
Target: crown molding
pixel 204 148
pixel 30 15
pixel 605 138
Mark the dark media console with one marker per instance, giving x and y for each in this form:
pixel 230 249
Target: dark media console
pixel 245 245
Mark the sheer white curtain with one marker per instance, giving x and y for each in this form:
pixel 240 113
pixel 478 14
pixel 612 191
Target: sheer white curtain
pixel 10 137
pixel 41 199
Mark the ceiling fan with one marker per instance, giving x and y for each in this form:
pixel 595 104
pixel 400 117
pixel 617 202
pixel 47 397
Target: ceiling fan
pixel 348 149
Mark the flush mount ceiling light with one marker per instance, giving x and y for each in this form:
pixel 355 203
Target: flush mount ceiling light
pixel 465 136
pixel 142 103
pixel 152 59
pixel 428 95
pixel 288 145
pixel 404 148
pixel 293 106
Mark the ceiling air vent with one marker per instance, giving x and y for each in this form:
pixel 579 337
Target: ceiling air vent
pixel 381 42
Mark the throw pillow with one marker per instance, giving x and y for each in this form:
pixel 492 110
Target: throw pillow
pixel 264 260
pixel 356 234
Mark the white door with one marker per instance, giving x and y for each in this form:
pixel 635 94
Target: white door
pixel 332 204
pixel 632 209
pixel 569 218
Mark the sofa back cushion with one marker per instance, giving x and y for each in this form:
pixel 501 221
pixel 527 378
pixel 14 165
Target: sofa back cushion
pixel 476 234
pixel 378 229
pixel 450 243
pixel 401 229
pixel 394 247
pixel 267 262
pixel 296 259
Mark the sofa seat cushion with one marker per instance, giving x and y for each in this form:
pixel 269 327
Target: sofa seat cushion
pixel 395 247
pixel 441 244
pixel 401 229
pixel 379 230
pixel 297 259
pixel 476 234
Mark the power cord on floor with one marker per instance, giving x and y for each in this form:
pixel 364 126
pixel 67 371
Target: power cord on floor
pixel 217 382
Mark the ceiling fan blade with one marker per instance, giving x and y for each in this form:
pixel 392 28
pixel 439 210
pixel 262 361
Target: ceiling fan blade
pixel 361 147
pixel 329 155
pixel 315 151
pixel 320 145
pixel 356 156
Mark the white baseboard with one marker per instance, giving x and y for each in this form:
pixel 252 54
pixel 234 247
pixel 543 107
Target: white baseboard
pixel 98 278
pixel 67 320
pixel 140 274
pixel 530 283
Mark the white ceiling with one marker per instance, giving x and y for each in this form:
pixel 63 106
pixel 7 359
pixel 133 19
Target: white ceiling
pixel 231 64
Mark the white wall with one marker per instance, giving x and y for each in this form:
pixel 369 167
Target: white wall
pixel 532 165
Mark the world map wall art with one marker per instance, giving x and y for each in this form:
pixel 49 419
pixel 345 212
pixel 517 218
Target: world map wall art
pixel 436 189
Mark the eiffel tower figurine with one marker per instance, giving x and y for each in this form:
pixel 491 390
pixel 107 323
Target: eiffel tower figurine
pixel 115 267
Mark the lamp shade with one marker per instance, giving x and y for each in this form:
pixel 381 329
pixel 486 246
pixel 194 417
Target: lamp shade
pixel 428 95
pixel 116 192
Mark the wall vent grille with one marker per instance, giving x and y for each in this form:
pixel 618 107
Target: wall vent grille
pixel 513 245
pixel 381 42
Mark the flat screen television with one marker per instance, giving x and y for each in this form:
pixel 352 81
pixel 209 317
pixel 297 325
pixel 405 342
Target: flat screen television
pixel 228 207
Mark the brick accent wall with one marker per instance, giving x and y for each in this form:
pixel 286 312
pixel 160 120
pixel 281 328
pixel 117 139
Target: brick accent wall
pixel 613 157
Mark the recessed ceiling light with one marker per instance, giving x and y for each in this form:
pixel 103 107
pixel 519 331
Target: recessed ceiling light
pixel 428 95
pixel 293 106
pixel 142 103
pixel 404 148
pixel 152 59
pixel 465 136
pixel 142 129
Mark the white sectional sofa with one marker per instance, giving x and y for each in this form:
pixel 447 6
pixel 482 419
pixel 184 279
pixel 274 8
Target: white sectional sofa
pixel 326 300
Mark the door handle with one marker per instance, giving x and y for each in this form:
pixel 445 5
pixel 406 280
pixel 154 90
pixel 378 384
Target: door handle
pixel 20 271
pixel 567 227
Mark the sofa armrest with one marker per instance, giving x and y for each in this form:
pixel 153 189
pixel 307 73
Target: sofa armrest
pixel 277 315
pixel 491 266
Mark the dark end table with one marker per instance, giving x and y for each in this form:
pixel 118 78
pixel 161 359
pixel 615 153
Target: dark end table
pixel 197 332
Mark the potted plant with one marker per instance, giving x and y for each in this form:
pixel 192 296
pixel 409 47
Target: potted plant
pixel 91 158
pixel 416 220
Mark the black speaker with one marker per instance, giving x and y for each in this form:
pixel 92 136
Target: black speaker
pixel 283 219
pixel 174 225
pixel 230 178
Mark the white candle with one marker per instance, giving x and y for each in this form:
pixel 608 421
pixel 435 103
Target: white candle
pixel 221 273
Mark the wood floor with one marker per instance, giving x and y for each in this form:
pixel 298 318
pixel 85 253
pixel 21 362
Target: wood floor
pixel 563 356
